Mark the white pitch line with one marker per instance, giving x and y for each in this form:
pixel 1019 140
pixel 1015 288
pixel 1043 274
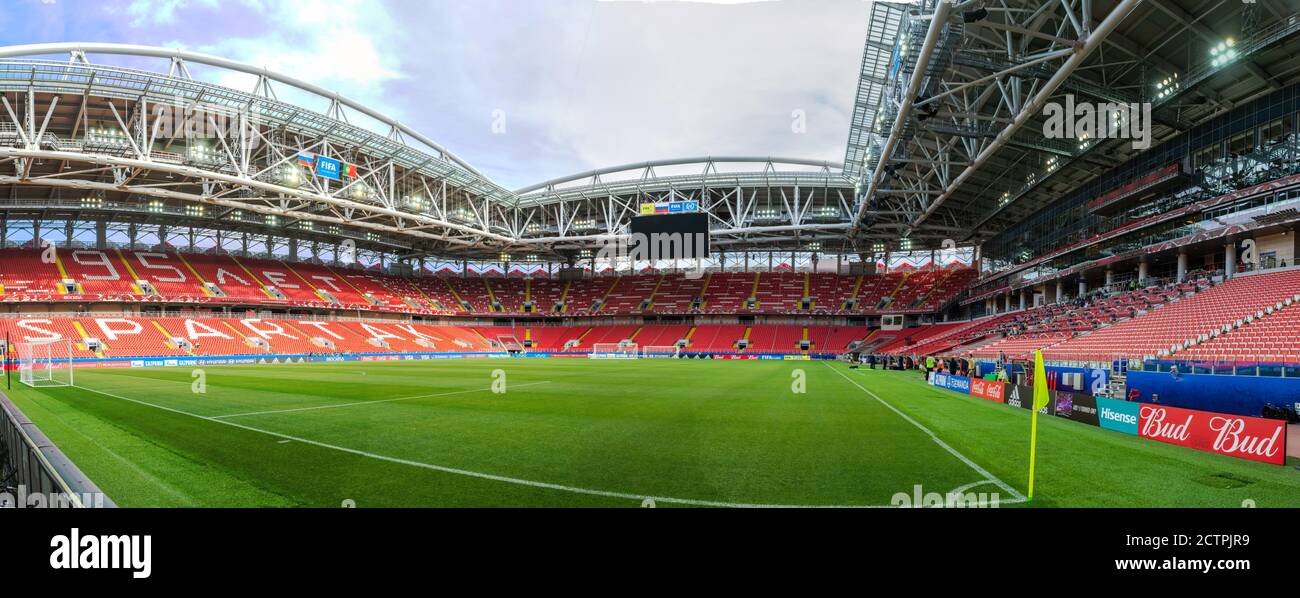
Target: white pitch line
pixel 358 403
pixel 488 476
pixel 973 465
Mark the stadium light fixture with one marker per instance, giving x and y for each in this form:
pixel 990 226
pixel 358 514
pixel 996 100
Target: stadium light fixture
pixel 1223 53
pixel 1168 86
pixel 360 191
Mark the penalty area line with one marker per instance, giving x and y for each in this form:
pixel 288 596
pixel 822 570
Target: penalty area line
pixel 1016 495
pixel 487 476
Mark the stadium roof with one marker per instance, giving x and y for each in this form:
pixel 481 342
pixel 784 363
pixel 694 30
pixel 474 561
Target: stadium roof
pixel 945 140
pixel 963 151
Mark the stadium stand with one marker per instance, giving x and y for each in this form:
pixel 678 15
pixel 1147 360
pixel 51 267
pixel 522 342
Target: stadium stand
pixel 716 337
pixel 25 276
pixel 678 294
pixel 727 292
pixel 1164 330
pixel 1272 338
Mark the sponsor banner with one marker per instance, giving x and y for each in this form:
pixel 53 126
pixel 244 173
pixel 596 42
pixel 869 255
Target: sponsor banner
pixel 1120 416
pixel 1251 438
pixel 796 358
pixel 669 207
pixel 1023 397
pixel 993 391
pixel 958 383
pixel 1078 407
pixel 329 168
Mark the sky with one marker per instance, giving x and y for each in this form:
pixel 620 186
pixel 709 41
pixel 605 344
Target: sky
pixel 524 90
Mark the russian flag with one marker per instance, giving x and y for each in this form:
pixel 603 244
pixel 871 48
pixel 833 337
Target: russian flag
pixel 306 159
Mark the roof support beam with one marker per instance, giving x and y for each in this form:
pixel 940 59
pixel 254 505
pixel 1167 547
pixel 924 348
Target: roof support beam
pixel 1035 105
pixel 937 22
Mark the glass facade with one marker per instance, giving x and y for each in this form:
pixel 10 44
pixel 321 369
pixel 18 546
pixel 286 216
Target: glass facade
pixel 1251 144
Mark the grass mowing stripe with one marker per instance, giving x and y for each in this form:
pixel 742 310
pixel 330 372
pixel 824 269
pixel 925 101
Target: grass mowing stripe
pixel 1017 496
pixel 480 475
pixel 412 398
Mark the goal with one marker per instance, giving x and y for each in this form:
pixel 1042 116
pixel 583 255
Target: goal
pixel 614 351
pixel 652 351
pixel 510 344
pixel 45 363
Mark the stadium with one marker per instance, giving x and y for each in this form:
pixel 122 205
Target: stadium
pixel 277 296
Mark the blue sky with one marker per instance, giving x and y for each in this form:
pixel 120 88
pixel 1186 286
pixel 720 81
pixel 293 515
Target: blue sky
pixel 579 84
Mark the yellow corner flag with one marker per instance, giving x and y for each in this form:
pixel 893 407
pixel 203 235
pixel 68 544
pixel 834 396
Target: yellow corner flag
pixel 1041 399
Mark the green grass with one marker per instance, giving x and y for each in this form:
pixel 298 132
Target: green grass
pixel 575 432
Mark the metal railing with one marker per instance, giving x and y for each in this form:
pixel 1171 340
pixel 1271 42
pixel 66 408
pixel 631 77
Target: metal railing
pixel 35 473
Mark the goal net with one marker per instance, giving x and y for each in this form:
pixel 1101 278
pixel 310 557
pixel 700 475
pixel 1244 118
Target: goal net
pixel 652 351
pixel 45 363
pixel 614 351
pixel 511 344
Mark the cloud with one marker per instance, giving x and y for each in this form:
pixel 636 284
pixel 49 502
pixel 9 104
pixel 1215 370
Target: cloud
pixel 528 90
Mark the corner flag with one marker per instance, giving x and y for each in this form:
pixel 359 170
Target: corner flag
pixel 1040 400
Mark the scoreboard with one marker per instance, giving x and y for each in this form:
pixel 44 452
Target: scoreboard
pixel 671 236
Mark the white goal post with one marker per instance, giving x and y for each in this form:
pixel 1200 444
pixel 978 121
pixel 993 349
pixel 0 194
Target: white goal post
pixel 614 351
pixel 653 351
pixel 45 363
pixel 511 344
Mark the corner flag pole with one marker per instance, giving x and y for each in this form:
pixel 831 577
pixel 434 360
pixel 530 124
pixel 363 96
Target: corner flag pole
pixel 1040 401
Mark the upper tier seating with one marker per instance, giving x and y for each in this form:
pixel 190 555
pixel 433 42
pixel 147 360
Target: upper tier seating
pixel 510 293
pixel 829 291
pixel 437 290
pixel 120 275
pixel 876 289
pixel 947 288
pixel 98 272
pixel 727 292
pixel 780 291
pixel 628 293
pixel 25 276
pixel 235 283
pixel 546 294
pixel 470 290
pixel 677 294
pixel 583 294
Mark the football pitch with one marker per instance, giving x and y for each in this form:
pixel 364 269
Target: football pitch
pixel 609 433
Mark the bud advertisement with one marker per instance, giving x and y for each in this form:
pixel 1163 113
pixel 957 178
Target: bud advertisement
pixel 1251 438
